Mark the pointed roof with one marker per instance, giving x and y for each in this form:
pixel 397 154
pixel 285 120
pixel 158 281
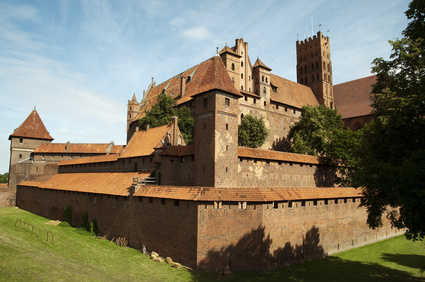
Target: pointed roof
pixel 133 100
pixel 259 63
pixel 227 49
pixel 208 75
pixel 32 127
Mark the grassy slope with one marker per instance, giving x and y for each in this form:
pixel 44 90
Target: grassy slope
pixel 78 256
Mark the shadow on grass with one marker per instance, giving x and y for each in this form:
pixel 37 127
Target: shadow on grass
pixel 413 261
pixel 328 269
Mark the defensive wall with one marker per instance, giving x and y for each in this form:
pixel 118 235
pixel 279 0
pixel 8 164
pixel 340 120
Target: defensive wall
pixel 202 228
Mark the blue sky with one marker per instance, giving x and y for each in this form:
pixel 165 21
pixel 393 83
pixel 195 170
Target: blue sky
pixel 79 62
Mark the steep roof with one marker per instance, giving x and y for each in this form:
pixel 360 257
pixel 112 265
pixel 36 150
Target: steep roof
pixel 79 148
pixel 227 49
pixel 110 183
pixel 144 142
pixel 208 75
pixel 32 127
pixel 259 63
pixel 291 93
pixel 352 98
pixel 277 156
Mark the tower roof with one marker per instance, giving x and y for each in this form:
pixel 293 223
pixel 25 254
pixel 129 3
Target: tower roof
pixel 32 127
pixel 259 63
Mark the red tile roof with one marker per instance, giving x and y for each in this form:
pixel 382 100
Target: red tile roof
pixel 352 98
pixel 278 156
pixel 229 50
pixel 208 75
pixel 245 194
pixel 291 93
pixel 179 151
pixel 91 160
pixel 143 142
pixel 111 183
pixel 32 127
pixel 79 148
pixel 259 63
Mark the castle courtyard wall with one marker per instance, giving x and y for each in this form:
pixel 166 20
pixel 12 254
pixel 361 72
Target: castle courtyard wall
pixel 209 235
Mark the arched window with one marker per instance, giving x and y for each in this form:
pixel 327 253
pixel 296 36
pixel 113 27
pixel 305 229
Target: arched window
pixel 233 66
pixel 241 75
pixel 264 90
pixel 241 87
pixel 241 64
pixel 262 78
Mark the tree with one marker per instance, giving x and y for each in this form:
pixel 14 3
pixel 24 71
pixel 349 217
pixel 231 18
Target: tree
pixel 391 168
pixel 252 132
pixel 163 112
pixel 4 177
pixel 320 132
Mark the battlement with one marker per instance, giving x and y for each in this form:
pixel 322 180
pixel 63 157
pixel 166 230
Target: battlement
pixel 314 38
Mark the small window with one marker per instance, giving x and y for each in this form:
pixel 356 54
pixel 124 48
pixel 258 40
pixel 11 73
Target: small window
pixel 241 75
pixel 205 103
pixel 20 156
pixel 265 104
pixel 217 205
pixel 21 140
pixel 227 102
pixel 233 80
pixel 242 205
pixel 275 205
pixel 267 80
pixel 242 64
pixel 262 78
pixel 233 67
pixel 264 90
pixel 227 126
pixel 255 101
pixel 246 98
pixel 289 204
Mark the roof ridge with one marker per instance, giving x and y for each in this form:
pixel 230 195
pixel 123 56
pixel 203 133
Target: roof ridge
pixel 32 127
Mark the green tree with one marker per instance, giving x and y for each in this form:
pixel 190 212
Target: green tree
pixel 4 177
pixel 391 169
pixel 320 132
pixel 252 132
pixel 163 112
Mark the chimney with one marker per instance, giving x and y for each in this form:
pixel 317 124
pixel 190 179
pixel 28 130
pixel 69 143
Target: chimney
pixel 175 126
pixel 182 85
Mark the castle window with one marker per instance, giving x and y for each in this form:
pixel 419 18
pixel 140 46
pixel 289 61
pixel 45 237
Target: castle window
pixel 264 90
pixel 275 205
pixel 324 64
pixel 241 87
pixel 241 75
pixel 217 205
pixel 21 140
pixel 265 103
pixel 242 116
pixel 226 167
pixel 227 126
pixel 233 67
pixel 267 80
pixel 227 149
pixel 317 77
pixel 277 107
pixel 249 77
pixel 242 205
pixel 262 78
pixel 317 65
pixel 301 71
pixel 20 156
pixel 255 101
pixel 289 204
pixel 246 98
pixel 205 103
pixel 242 64
pixel 130 108
pixel 233 80
pixel 312 77
pixel 227 102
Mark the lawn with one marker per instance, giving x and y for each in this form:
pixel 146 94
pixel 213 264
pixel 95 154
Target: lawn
pixel 79 256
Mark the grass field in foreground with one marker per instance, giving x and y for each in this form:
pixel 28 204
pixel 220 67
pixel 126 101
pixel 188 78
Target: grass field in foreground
pixel 78 256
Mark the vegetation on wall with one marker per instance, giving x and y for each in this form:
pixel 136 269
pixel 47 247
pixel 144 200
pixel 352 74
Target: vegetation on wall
pixel 67 215
pixel 4 177
pixel 252 132
pixel 391 169
pixel 320 132
pixel 163 112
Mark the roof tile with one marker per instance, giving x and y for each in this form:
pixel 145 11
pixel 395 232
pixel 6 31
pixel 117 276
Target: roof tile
pixel 32 127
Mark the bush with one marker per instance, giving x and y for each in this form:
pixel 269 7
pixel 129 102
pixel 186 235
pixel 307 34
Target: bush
pixel 67 215
pixel 94 228
pixel 85 223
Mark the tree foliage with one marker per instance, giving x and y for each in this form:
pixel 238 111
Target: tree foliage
pixel 320 132
pixel 252 132
pixel 4 177
pixel 391 169
pixel 163 112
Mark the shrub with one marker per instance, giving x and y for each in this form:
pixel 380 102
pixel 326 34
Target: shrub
pixel 85 223
pixel 94 228
pixel 67 215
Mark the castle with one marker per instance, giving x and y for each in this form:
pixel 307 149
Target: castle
pixel 211 203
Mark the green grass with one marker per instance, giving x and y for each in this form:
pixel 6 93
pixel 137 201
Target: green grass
pixel 79 256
